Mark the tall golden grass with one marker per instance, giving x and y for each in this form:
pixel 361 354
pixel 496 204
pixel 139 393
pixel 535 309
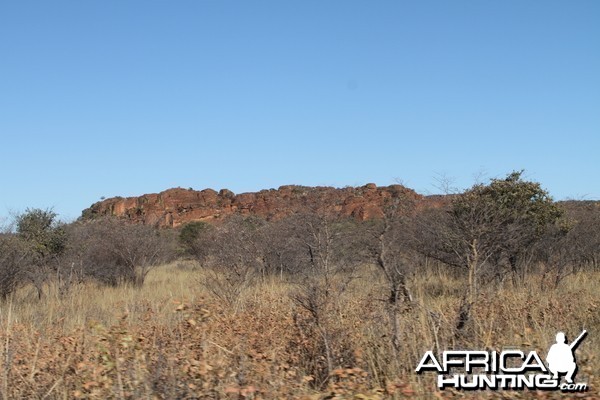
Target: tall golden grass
pixel 174 339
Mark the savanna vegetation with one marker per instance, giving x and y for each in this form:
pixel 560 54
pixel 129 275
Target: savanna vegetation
pixel 309 306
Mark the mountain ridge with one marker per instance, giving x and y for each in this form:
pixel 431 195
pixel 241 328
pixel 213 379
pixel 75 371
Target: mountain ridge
pixel 177 206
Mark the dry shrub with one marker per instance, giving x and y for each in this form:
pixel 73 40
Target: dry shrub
pixel 174 340
pixel 14 260
pixel 114 252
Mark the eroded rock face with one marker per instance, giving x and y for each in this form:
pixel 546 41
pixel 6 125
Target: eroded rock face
pixel 175 207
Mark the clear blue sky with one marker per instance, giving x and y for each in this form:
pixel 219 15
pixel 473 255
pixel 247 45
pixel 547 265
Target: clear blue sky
pixel 108 98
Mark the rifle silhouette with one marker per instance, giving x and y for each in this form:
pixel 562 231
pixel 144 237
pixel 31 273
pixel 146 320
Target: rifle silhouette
pixel 576 342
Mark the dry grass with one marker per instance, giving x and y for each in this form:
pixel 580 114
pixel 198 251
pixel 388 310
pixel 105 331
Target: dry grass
pixel 173 338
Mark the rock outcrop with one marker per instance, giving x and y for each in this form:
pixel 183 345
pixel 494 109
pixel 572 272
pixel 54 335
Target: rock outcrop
pixel 175 207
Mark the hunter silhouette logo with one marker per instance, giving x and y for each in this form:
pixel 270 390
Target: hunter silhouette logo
pixel 510 369
pixel 561 357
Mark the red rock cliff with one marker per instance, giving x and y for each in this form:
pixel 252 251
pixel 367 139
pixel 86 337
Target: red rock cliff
pixel 175 207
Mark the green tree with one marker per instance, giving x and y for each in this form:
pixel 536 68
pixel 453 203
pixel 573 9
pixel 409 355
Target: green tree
pixel 190 233
pixel 42 231
pixel 489 230
pixel 509 215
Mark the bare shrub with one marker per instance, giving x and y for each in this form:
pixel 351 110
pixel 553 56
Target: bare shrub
pixel 113 252
pixel 14 260
pixel 389 244
pixel 584 235
pixel 232 256
pixel 320 283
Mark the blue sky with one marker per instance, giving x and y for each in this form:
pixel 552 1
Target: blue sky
pixel 112 98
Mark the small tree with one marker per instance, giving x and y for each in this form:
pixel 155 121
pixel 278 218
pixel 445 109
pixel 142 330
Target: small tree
pixel 189 236
pixel 489 230
pixel 391 253
pixel 527 212
pixel 42 231
pixel 46 240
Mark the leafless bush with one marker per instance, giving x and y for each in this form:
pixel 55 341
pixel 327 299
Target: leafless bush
pixel 283 253
pixel 307 248
pixel 232 256
pixel 389 243
pixel 571 245
pixel 301 243
pixel 321 281
pixel 584 235
pixel 112 251
pixel 14 259
pixel 556 255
